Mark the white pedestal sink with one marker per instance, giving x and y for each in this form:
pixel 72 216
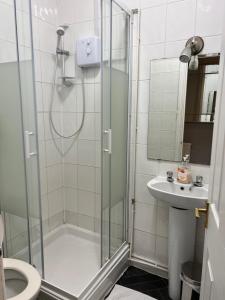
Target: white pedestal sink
pixel 182 199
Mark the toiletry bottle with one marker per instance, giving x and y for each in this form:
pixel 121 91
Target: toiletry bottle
pixel 184 171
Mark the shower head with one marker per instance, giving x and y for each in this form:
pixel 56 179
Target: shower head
pixel 60 31
pixel 193 47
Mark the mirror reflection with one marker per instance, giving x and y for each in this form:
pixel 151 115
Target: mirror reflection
pixel 181 108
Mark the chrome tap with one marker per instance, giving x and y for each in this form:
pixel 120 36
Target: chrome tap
pixel 170 176
pixel 198 182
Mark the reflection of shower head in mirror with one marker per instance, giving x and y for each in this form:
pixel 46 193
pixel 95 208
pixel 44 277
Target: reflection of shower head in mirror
pixel 192 48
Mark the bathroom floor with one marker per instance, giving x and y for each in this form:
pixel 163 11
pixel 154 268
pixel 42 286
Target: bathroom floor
pixel 71 258
pixel 146 283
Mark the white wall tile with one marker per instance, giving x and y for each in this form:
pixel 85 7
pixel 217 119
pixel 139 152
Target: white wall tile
pixel 162 250
pixel 55 200
pixel 145 166
pixel 142 192
pixel 47 33
pixel 39 96
pixel 153 25
pixel 142 130
pixel 173 49
pixel 209 19
pixel 87 152
pixel 82 13
pixel 143 96
pixel 52 155
pixel 71 199
pixel 86 178
pixel 47 66
pixel 212 44
pixel 86 203
pixel 147 53
pixel 88 130
pixel 145 217
pixel 162 221
pixel 149 3
pixel 144 244
pixel 86 222
pixel 54 177
pixel 70 175
pixel 180 23
pixel 66 11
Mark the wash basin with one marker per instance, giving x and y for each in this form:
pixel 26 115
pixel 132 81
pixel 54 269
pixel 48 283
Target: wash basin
pixel 178 195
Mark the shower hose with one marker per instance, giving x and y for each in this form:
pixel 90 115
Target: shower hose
pixel 53 128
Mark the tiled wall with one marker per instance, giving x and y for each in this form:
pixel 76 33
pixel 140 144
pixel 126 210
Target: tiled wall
pixel 70 184
pixel 165 26
pixel 45 20
pixel 81 166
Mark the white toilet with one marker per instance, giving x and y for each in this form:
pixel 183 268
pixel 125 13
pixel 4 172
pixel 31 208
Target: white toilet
pixel 22 281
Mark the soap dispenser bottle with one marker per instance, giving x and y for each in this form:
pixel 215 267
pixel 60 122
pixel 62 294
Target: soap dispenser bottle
pixel 184 171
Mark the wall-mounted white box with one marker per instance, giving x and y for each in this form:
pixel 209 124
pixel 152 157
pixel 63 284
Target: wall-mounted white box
pixel 88 51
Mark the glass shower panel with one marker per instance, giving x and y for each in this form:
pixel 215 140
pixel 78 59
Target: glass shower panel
pixel 106 125
pixel 115 85
pixel 119 124
pixel 13 192
pixel 26 73
pixel 19 187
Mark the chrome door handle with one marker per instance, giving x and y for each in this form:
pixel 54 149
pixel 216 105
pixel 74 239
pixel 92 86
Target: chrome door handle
pixel 29 154
pixel 109 133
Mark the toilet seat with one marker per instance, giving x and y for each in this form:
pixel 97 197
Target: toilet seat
pixel 31 275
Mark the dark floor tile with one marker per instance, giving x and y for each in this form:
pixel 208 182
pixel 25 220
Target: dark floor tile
pixel 149 284
pixel 154 293
pixel 134 272
pixel 164 294
pixel 146 283
pixel 195 296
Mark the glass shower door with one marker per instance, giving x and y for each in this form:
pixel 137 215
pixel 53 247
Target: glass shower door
pixel 19 178
pixel 106 125
pixel 115 89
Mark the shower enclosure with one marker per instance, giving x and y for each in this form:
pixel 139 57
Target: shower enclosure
pixel 64 153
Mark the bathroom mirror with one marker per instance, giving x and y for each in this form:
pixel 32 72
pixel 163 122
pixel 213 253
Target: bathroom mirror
pixel 181 109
